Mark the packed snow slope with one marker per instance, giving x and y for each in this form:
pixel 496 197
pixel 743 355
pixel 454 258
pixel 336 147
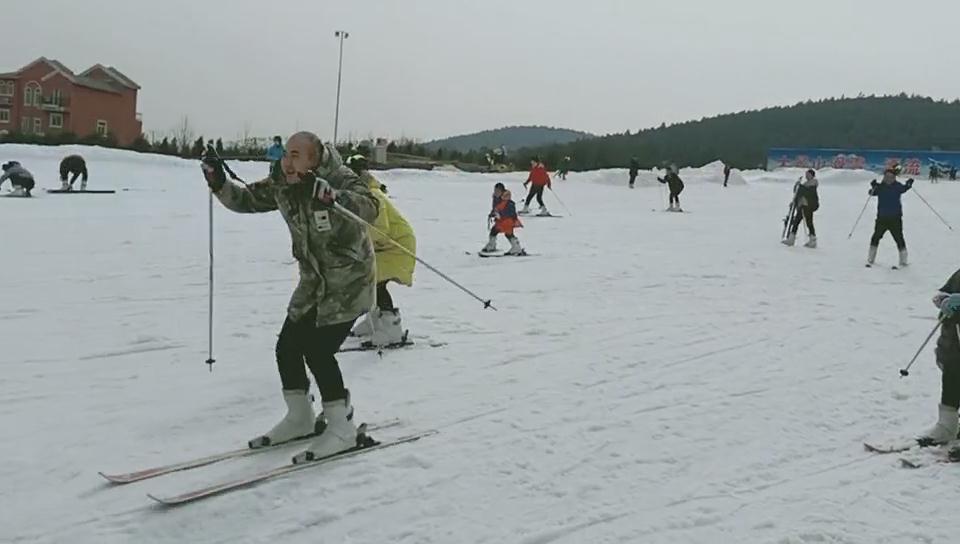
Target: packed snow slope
pixel 649 376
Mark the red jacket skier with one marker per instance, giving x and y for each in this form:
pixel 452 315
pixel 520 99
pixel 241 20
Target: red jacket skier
pixel 538 179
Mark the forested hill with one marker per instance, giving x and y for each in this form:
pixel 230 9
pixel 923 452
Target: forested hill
pixel 742 139
pixel 509 137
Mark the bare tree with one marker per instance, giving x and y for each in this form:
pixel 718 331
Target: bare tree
pixel 184 132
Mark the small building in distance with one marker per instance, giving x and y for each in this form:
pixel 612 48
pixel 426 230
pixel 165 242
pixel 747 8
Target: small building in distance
pixel 45 97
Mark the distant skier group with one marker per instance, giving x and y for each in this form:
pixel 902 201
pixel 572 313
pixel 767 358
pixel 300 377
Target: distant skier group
pixel 23 182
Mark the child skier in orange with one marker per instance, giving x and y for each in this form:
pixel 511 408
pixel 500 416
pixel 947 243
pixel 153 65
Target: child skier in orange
pixel 504 214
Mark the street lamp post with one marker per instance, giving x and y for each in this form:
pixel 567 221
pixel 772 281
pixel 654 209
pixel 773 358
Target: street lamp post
pixel 342 34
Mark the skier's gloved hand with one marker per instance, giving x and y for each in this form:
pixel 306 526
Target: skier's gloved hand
pixel 910 182
pixel 939 298
pixel 950 307
pixel 322 191
pixel 213 172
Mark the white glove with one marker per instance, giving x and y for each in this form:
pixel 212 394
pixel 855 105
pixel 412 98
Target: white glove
pixel 939 298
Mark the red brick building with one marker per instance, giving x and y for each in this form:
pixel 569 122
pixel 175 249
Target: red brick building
pixel 46 97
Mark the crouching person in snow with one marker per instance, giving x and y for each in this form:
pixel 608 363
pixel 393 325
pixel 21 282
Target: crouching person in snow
pixel 336 282
pixel 889 213
pixel 383 326
pixel 806 201
pixel 505 220
pixel 675 184
pixel 74 166
pixel 948 359
pixel 20 178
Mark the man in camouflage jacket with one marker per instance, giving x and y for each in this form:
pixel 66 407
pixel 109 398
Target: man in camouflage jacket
pixel 336 285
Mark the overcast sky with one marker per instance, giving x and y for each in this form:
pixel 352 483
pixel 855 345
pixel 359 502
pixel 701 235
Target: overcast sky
pixel 433 68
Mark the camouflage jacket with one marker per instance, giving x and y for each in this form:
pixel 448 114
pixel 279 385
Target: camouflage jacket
pixel 337 263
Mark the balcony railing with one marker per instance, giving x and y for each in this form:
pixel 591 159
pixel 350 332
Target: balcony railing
pixel 54 103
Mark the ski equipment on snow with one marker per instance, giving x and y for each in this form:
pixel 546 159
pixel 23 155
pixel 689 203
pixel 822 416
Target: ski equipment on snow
pixel 365 444
pixel 146 474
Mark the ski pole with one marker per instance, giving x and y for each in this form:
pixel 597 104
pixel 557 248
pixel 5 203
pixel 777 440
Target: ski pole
pixel 210 359
pixel 561 202
pixel 904 372
pixel 933 210
pixel 858 218
pixel 350 215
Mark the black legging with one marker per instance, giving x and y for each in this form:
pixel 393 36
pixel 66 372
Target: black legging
pixel 27 183
pixel 303 342
pixel 674 198
pixel 892 224
pixel 804 214
pixel 384 300
pixel 950 386
pixel 535 190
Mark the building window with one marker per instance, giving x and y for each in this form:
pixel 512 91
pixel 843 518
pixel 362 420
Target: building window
pixel 56 98
pixel 37 125
pixel 32 94
pixel 6 88
pixel 4 116
pixel 101 127
pixel 25 125
pixel 56 120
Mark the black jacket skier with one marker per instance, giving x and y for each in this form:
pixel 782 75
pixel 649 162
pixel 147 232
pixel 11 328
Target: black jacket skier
pixel 806 200
pixel 673 181
pixel 634 170
pixel 76 166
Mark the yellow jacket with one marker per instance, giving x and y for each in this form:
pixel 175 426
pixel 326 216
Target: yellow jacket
pixel 392 263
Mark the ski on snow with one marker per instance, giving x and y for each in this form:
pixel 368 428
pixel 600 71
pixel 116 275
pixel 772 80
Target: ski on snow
pixel 405 342
pixel 146 474
pixel 365 444
pixel 930 456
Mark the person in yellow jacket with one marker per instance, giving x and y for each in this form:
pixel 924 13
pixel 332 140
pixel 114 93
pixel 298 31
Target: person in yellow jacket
pixel 383 326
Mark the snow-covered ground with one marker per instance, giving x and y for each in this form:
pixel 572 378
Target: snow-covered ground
pixel 650 377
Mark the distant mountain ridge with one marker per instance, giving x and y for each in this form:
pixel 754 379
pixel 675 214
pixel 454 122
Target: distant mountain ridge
pixel 742 139
pixel 510 137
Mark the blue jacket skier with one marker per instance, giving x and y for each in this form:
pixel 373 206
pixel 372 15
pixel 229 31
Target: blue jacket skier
pixel 889 213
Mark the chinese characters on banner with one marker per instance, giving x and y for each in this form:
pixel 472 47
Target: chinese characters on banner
pixel 911 162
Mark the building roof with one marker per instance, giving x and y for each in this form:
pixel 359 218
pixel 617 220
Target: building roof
pixel 117 79
pixel 115 74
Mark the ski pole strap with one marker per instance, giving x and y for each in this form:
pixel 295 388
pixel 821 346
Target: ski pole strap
pixel 350 215
pixel 211 151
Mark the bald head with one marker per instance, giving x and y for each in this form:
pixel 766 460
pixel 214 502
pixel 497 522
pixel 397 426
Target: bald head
pixel 304 151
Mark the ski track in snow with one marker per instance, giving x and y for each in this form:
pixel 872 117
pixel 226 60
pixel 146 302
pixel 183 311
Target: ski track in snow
pixel 649 377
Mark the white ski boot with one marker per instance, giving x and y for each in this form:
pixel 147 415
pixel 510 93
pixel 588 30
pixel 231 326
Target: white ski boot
pixel 871 256
pixel 525 210
pixel 491 245
pixel 64 185
pixel 515 248
pixel 339 435
pixel 543 212
pixel 388 328
pixel 18 191
pixel 298 422
pixel 946 429
pixel 364 327
pixel 789 240
pixel 83 185
pixel 811 243
pixel 903 258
